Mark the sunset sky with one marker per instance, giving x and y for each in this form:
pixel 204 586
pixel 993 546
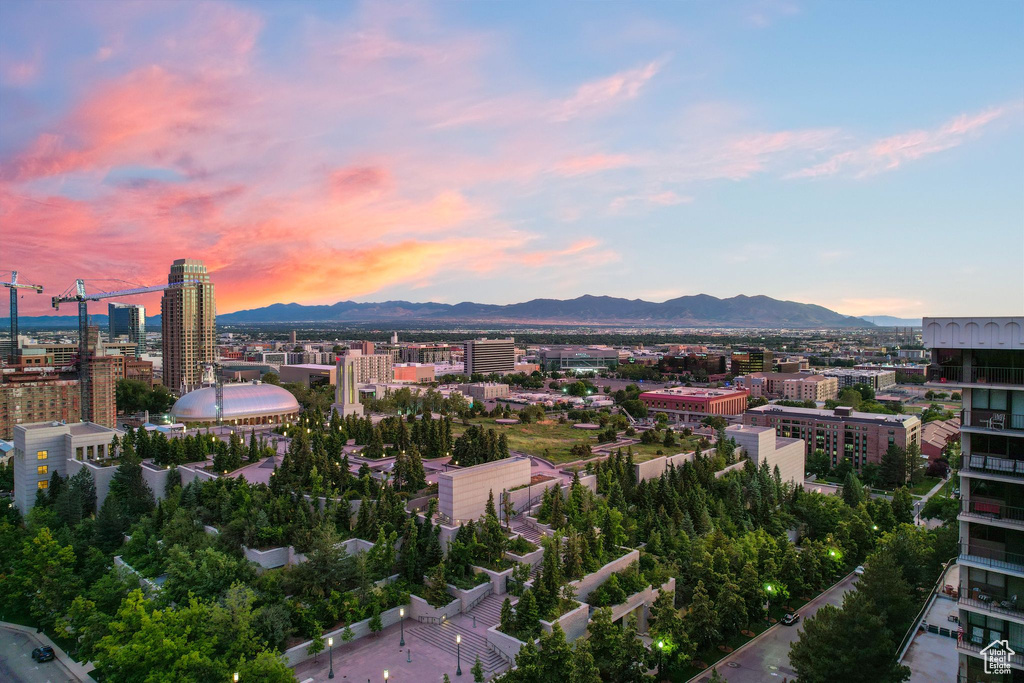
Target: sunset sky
pixel 865 156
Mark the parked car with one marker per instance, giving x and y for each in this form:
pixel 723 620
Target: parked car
pixel 859 571
pixel 43 654
pixel 790 619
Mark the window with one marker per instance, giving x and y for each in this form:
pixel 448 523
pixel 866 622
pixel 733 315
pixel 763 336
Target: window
pixel 42 469
pixel 42 455
pixel 43 484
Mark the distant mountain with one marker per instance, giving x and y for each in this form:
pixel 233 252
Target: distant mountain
pixel 891 321
pixel 692 311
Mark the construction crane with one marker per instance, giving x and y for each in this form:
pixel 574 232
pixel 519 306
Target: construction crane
pixel 14 286
pixel 77 293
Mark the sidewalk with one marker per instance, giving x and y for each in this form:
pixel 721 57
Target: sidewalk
pixel 26 636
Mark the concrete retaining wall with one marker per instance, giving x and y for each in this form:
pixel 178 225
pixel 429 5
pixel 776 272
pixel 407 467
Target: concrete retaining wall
pixel 360 629
pixel 156 477
pixel 589 582
pixel 421 609
pixel 469 597
pixel 267 559
pixel 533 558
pixel 504 644
pixel 101 476
pixel 573 623
pixel 499 580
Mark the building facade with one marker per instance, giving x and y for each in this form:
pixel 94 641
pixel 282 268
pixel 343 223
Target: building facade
pixel 27 397
pixel 983 358
pixel 102 404
pixel 810 388
pixel 686 404
pixel 876 379
pixel 484 391
pixel 762 444
pixel 428 353
pixel 128 320
pixel 747 361
pixel 486 356
pixel 841 433
pixel 189 325
pixel 578 359
pixel 42 448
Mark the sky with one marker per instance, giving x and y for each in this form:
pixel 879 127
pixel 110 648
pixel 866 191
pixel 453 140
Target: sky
pixel 867 157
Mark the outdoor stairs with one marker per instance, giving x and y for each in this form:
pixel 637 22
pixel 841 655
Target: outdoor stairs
pixel 442 636
pixel 527 531
pixel 488 610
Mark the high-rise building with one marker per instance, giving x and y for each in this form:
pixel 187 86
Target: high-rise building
pixel 189 321
pixel 486 356
pixel 983 358
pixel 128 320
pixel 353 369
pixel 101 406
pixel 38 396
pixel 746 361
pixel 366 348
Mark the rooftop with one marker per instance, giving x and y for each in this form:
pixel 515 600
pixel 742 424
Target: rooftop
pixel 694 392
pixel 310 366
pixel 773 409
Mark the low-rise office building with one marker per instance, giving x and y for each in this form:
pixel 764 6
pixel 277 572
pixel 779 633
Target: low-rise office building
pixel 841 433
pixel 310 374
pixel 815 388
pixel 42 448
pixel 484 391
pixel 692 404
pixel 578 359
pixel 876 379
pixel 414 372
pixel 763 444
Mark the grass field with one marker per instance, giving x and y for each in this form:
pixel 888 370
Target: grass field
pixel 642 452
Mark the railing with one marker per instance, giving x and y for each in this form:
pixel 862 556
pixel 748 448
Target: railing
pixel 991 419
pixel 975 375
pixel 991 603
pixel 477 600
pixel 918 622
pixel 992 510
pixel 992 557
pixel 976 648
pixel 996 465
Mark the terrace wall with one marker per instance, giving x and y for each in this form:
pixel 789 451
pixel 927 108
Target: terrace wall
pixel 589 582
pixel 360 629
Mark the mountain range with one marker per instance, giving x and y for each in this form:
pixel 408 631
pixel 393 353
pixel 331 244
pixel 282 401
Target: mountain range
pixel 699 310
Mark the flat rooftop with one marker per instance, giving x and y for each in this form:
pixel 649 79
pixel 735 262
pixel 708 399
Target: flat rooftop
pixel 473 469
pixel 74 428
pixel 310 366
pixel 822 413
pixel 694 392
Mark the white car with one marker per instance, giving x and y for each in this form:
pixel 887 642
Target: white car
pixel 859 571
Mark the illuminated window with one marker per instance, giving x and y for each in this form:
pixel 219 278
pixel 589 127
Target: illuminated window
pixel 42 469
pixel 43 484
pixel 42 455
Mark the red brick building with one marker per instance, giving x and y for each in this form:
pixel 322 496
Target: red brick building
pixel 692 404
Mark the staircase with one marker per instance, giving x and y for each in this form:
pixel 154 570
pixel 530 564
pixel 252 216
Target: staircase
pixel 488 610
pixel 442 636
pixel 525 530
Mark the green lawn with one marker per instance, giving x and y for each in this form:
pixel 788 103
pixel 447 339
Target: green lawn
pixel 642 452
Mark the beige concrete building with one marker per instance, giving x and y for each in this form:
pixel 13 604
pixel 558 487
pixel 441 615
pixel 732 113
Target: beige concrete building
pixel 810 388
pixel 42 448
pixel 484 391
pixel 462 493
pixel 189 326
pixel 486 356
pixel 761 444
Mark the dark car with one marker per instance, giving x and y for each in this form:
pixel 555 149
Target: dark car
pixel 790 619
pixel 43 654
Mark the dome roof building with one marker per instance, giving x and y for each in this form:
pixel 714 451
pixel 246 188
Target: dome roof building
pixel 253 403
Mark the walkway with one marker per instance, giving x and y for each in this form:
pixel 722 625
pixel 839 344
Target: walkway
pixel 17 665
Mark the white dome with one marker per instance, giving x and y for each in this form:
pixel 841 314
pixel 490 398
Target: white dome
pixel 241 401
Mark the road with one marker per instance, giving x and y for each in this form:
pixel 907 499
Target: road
pixel 767 657
pixel 17 665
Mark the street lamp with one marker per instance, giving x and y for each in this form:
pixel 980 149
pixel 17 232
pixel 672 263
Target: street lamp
pixel 235 677
pixel 401 625
pixel 458 654
pixel 330 644
pixel 385 674
pixel 661 652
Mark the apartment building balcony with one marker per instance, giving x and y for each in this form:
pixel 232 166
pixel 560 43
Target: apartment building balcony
pixel 980 375
pixel 992 421
pixel 1006 606
pixel 973 649
pixel 992 512
pixel 991 556
pixel 997 467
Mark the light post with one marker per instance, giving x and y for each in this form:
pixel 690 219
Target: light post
pixel 401 625
pixel 458 654
pixel 235 677
pixel 768 603
pixel 330 644
pixel 661 652
pixel 385 675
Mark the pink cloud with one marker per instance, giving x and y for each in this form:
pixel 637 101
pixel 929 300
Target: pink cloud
pixel 592 163
pixel 892 152
pixel 605 92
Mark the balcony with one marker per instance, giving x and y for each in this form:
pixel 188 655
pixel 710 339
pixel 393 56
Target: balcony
pixel 955 374
pixel 994 464
pixel 992 511
pixel 974 649
pixel 995 420
pixel 991 557
pixel 978 600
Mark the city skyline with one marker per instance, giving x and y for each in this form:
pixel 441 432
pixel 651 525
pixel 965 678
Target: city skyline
pixel 846 156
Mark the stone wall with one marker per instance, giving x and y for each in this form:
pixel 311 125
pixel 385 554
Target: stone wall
pixel 655 467
pixel 499 580
pixel 469 597
pixel 360 629
pixel 533 558
pixel 268 559
pixel 502 643
pixel 573 623
pixel 422 610
pixel 101 476
pixel 589 582
pixel 462 493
